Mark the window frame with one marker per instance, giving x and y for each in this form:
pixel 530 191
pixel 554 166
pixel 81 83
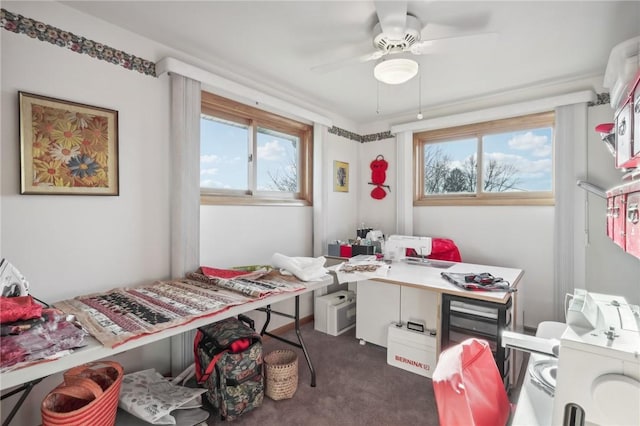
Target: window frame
pixel 229 110
pixel 478 130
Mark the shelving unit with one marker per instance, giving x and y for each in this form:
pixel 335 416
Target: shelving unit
pixel 463 318
pixel 622 77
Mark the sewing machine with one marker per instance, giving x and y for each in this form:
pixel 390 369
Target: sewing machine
pixel 395 248
pixel 596 378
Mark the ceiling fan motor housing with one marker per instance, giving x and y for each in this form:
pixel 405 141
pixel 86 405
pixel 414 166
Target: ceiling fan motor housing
pixel 401 40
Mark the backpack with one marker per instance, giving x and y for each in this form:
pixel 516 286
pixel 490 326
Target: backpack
pixel 228 358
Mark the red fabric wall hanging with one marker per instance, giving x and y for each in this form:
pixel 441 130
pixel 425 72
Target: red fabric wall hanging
pixel 379 168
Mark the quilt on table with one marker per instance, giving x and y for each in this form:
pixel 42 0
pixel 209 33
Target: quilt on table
pixel 254 284
pixel 120 315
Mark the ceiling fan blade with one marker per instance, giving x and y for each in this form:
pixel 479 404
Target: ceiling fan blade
pixel 453 44
pixel 333 66
pixel 392 16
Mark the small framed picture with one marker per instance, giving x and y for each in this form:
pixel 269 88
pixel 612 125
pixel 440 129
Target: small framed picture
pixel 340 176
pixel 67 148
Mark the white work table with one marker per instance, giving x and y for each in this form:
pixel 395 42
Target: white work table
pixel 417 293
pixel 95 350
pixel 429 278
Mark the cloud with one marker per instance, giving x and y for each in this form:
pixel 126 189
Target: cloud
pixel 211 171
pixel 207 159
pixel 211 183
pixel 538 145
pixel 271 151
pixel 462 164
pixel 526 168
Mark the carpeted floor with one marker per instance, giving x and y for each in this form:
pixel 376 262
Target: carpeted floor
pixel 354 386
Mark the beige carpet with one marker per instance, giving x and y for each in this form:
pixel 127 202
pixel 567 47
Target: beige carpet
pixel 355 386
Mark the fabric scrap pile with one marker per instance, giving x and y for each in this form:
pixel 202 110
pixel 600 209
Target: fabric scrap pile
pixel 31 333
pixel 478 282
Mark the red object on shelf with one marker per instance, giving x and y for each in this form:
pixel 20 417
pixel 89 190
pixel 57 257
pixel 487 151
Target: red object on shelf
pixel 345 251
pixel 604 128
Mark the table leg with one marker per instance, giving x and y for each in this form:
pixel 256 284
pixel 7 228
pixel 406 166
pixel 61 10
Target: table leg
pixel 300 345
pixel 25 389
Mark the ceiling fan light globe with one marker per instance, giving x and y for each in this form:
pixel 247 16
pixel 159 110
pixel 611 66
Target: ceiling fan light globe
pixel 395 71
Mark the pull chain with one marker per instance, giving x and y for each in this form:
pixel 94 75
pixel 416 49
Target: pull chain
pixel 377 97
pixel 420 116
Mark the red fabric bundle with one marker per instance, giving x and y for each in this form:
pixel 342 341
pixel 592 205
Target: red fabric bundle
pixel 444 249
pixel 221 273
pixel 441 249
pixel 18 308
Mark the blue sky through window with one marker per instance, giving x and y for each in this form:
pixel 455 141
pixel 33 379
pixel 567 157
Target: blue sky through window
pixel 224 153
pixel 530 151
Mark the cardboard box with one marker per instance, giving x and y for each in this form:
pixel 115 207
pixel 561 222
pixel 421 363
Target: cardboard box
pixel 410 350
pixel 334 250
pixel 335 313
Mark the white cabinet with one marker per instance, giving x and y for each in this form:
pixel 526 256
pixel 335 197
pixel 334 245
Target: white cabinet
pixel 380 304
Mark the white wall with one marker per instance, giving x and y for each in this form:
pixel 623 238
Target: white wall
pixel 342 207
pixel 515 237
pixel 72 245
pixel 247 235
pixel 378 214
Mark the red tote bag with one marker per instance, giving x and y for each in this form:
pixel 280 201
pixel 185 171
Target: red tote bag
pixel 468 387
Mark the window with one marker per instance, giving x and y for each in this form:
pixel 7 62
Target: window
pixel 250 156
pixel 494 163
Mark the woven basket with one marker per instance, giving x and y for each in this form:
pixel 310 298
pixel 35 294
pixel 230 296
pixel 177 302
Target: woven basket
pixel 281 374
pixel 88 396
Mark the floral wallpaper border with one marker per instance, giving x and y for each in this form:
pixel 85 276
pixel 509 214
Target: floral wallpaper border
pixel 360 138
pixel 601 99
pixel 35 29
pixel 43 32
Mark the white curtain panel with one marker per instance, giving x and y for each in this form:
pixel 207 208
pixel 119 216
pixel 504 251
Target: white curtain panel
pixel 320 189
pixel 184 196
pixel 569 218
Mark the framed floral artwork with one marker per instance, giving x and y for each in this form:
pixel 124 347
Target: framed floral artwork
pixel 340 176
pixel 67 148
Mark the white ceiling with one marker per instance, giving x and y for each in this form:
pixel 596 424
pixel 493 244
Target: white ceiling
pixel 275 45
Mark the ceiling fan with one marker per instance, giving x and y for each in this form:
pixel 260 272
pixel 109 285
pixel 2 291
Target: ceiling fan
pixel 396 37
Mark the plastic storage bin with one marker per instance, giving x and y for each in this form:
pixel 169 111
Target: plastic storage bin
pixel 335 313
pixel 411 350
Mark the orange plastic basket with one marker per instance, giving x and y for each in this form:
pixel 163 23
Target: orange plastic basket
pixel 88 396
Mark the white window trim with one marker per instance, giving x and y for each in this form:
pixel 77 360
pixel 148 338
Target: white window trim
pixel 496 113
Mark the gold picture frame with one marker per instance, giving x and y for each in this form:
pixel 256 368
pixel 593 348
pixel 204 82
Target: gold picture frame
pixel 67 148
pixel 340 176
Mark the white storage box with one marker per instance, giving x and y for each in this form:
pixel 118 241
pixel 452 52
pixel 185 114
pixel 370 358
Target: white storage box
pixel 335 313
pixel 410 350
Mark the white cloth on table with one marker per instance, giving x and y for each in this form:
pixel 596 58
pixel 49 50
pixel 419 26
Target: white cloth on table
pixel 304 268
